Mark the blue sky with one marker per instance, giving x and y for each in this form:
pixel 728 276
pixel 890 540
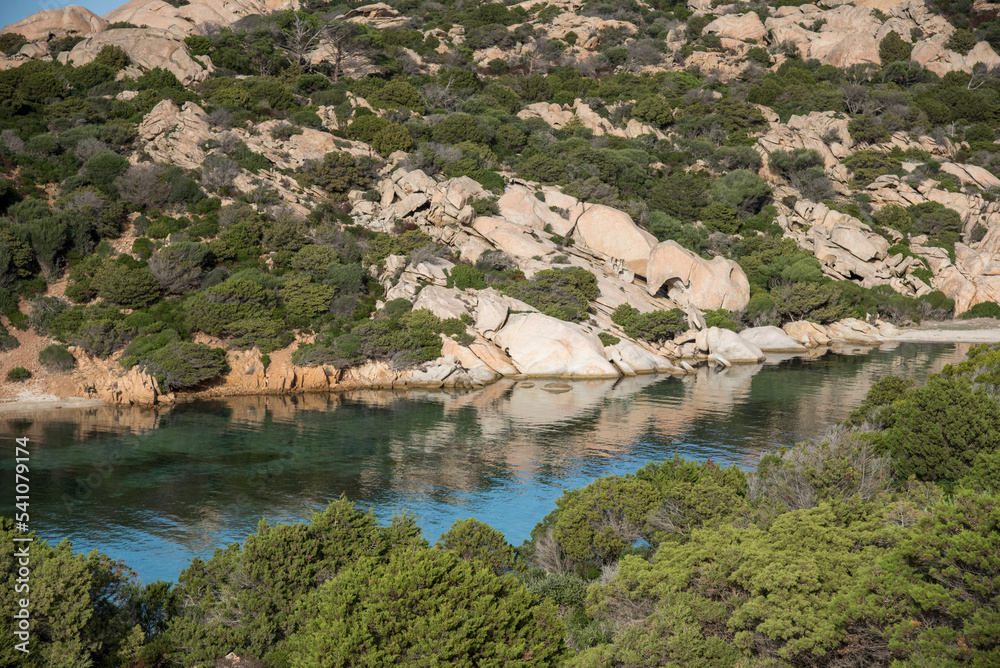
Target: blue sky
pixel 15 10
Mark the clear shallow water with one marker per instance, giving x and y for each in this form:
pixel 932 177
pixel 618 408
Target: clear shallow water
pixel 159 488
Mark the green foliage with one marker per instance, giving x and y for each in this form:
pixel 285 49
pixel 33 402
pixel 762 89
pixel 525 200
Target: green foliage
pixel 238 298
pixel 596 524
pixel 338 174
pixel 664 227
pixel 458 128
pixel 465 276
pixel 56 358
pixel 894 48
pixel 681 195
pixel 819 302
pixel 560 293
pixel 480 544
pixel 381 246
pixel 18 374
pixel 397 94
pixel 938 430
pixel 876 409
pixel 112 56
pixel 961 41
pixel 608 339
pixel 741 190
pixel 184 364
pixel 655 110
pixel 720 218
pixel 127 286
pixel 305 301
pixel 426 605
pixel 983 310
pixel 396 333
pixel 382 135
pixel 7 340
pixel 655 326
pixel 867 165
pixel 867 130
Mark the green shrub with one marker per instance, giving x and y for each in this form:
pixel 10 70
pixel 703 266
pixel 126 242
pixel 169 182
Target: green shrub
pixel 458 128
pixel 18 374
pixel 113 56
pixel 867 130
pixel 126 286
pixel 939 429
pixel 983 310
pixel 894 48
pixel 819 302
pixel 961 41
pixel 382 135
pixel 56 358
pixel 594 525
pixel 655 326
pixel 560 293
pixel 478 543
pixel 868 165
pixel 184 364
pixel 7 340
pixel 663 227
pixel 425 604
pixel 238 298
pixel 305 301
pixel 741 190
pixel 608 339
pixel 338 174
pixel 464 277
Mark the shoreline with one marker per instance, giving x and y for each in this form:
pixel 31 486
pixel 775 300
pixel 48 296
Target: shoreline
pixel 948 332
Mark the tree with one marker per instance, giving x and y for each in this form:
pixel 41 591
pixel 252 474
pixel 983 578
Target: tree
pixel 338 174
pixel 939 429
pixel 128 287
pixel 345 41
pixel 383 135
pixel 179 267
pixel 422 608
pixel 479 543
pixel 961 41
pixel 894 48
pixel 741 190
pixel 183 364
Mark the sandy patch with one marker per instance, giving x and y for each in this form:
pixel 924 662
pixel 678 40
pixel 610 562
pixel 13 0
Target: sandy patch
pixel 978 330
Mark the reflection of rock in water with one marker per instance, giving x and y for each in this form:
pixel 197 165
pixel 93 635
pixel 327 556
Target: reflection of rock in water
pixel 85 423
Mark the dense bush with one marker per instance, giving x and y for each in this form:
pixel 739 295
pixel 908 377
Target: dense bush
pixel 560 293
pixel 654 326
pixel 338 174
pixel 479 543
pixel 983 310
pixel 56 358
pixel 18 374
pixel 184 364
pixel 382 135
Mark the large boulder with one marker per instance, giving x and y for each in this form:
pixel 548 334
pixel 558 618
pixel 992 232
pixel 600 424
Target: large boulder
pixel 744 27
pixel 809 334
pixel 772 340
pixel 176 135
pixel 728 345
pixel 612 232
pixel 71 21
pixel 540 345
pixel 147 48
pixel 185 19
pixel 690 279
pixel 443 302
pixel 630 356
pixel 520 206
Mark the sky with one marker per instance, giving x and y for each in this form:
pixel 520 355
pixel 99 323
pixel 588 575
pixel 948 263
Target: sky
pixel 15 10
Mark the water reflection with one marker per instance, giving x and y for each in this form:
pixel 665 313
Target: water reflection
pixel 158 487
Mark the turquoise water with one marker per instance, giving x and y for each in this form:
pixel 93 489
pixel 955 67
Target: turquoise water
pixel 159 488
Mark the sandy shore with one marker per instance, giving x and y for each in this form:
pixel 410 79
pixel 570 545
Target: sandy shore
pixel 48 404
pixel 980 330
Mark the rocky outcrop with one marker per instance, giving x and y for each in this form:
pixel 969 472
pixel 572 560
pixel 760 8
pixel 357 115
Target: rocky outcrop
pixel 378 15
pixel 772 340
pixel 612 233
pixel 147 48
pixel 176 135
pixel 519 205
pixel 70 21
pixel 558 116
pixel 690 279
pixel 540 345
pixel 188 18
pixel 743 27
pixel 728 345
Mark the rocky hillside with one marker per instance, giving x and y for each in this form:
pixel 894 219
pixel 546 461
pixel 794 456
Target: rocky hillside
pixel 264 196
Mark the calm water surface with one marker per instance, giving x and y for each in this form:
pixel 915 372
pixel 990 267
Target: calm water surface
pixel 159 488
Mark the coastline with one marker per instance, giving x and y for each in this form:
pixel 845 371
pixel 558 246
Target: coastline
pixel 37 398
